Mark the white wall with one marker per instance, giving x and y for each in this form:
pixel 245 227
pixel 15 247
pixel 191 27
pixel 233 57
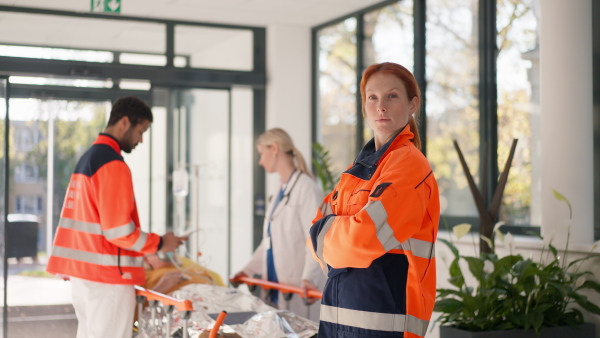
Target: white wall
pixel 241 181
pixel 566 106
pixel 288 87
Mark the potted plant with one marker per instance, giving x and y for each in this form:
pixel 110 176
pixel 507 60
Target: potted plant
pixel 530 297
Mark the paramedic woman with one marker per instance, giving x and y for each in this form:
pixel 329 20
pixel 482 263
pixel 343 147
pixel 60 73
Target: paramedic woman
pixel 374 234
pixel 282 256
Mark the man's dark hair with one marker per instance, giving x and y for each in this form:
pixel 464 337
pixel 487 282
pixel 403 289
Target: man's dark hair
pixel 132 107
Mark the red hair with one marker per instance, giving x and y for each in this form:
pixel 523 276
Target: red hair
pixel 410 83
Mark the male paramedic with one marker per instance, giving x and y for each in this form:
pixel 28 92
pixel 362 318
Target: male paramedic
pixel 99 244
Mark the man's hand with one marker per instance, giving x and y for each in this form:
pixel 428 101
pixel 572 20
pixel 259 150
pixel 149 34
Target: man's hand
pixel 306 285
pixel 171 242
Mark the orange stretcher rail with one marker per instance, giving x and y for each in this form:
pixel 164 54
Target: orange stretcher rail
pixel 284 288
pixel 180 304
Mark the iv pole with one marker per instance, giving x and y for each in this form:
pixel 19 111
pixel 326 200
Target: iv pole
pixel 181 184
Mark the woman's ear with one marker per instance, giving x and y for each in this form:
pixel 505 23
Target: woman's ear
pixel 414 103
pixel 275 148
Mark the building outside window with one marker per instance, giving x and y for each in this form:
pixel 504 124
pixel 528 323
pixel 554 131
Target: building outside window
pixel 29 205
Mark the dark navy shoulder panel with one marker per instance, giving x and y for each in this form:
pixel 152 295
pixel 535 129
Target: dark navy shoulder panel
pixel 93 159
pixel 365 163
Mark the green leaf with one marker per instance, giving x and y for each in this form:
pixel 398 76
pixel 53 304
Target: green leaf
pixel 499 234
pixel 488 241
pixel 562 198
pixel 461 229
pixel 537 318
pixel 457 281
pixel 554 251
pixel 590 284
pixel 455 268
pixel 589 306
pixel 451 246
pixel 447 305
pixel 476 267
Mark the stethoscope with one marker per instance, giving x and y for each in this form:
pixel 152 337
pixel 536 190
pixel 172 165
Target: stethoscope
pixel 286 196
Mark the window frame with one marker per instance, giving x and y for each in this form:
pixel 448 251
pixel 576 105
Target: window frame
pixel 596 112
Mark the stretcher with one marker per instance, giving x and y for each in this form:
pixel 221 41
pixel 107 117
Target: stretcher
pixel 178 326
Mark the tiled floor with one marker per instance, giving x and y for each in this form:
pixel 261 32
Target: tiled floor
pixel 37 306
pixel 48 321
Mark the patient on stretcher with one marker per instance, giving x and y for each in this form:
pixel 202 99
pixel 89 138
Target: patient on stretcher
pixel 248 316
pixel 169 273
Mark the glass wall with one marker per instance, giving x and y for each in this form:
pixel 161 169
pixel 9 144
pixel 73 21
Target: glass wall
pixel 452 101
pixel 388 37
pixel 47 139
pixel 337 87
pixel 518 109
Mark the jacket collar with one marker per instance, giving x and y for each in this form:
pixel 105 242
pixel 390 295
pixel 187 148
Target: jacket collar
pixel 109 140
pixel 369 157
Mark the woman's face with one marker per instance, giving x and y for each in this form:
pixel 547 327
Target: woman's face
pixel 268 157
pixel 387 106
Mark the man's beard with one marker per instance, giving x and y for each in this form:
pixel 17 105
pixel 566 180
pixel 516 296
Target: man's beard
pixel 126 143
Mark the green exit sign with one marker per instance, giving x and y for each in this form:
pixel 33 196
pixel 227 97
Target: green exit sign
pixel 106 6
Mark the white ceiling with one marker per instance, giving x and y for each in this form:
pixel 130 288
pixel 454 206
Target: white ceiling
pixel 240 12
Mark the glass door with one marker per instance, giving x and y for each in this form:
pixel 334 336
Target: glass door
pixel 47 137
pixel 212 175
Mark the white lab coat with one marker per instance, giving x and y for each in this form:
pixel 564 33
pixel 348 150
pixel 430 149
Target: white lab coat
pixel 290 225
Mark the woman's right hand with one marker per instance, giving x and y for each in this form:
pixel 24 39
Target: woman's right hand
pixel 236 276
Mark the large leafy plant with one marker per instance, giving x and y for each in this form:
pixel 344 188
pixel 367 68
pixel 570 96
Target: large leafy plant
pixel 322 163
pixel 513 292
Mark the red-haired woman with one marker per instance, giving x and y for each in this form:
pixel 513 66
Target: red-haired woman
pixel 374 234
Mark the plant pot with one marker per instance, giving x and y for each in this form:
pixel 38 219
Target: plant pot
pixel 586 330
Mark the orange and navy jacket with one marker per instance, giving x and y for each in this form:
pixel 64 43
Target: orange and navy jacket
pixel 374 236
pixel 99 236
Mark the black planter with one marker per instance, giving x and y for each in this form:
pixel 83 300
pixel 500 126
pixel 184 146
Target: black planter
pixel 585 331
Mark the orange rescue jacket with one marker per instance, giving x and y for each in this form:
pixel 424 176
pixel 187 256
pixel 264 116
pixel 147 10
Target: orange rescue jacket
pixel 99 236
pixel 374 237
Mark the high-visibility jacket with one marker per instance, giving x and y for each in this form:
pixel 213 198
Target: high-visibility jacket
pixel 374 236
pixel 99 236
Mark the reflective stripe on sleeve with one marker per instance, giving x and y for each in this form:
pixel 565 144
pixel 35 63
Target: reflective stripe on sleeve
pixel 91 228
pixel 374 320
pixel 418 248
pixel 321 244
pixel 141 241
pixel 385 233
pixel 99 259
pixel 120 231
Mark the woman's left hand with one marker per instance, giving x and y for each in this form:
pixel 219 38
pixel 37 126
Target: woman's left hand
pixel 306 285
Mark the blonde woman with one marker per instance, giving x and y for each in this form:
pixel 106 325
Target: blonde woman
pixel 283 256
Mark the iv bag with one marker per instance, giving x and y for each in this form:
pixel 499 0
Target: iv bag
pixel 180 183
